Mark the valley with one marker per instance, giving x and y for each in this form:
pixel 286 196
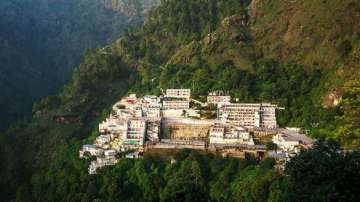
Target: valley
pixel 41 42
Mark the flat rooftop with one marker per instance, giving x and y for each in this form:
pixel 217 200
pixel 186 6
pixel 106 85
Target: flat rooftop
pixel 291 135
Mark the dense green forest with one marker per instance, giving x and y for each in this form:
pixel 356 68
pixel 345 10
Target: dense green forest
pixel 204 45
pixel 41 42
pixel 189 175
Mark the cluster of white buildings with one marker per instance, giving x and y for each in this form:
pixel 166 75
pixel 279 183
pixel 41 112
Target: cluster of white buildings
pixel 262 115
pixel 229 134
pixel 125 129
pixel 289 143
pixel 135 123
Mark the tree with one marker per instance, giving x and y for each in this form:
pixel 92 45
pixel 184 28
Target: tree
pixel 23 194
pixel 348 130
pixel 271 146
pixel 323 174
pixel 220 188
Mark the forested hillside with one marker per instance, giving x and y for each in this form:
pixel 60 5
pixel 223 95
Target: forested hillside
pixel 203 45
pixel 41 42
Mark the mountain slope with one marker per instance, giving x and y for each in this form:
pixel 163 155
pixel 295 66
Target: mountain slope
pixel 41 41
pixel 317 34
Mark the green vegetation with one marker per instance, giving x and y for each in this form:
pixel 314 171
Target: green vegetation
pixel 288 85
pixel 193 176
pixel 309 175
pixel 313 33
pixel 50 141
pixel 315 175
pixel 348 123
pixel 39 158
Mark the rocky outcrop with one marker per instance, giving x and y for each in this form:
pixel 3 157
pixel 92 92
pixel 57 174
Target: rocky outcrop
pixel 235 19
pixel 332 99
pixel 227 43
pixel 132 8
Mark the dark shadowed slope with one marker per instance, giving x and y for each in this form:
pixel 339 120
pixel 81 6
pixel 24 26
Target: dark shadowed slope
pixel 41 41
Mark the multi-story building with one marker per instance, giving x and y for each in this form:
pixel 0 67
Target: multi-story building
pixel 218 97
pixel 240 114
pixel 178 93
pixel 268 116
pixel 153 111
pixel 135 135
pixel 175 104
pixel 216 133
pixel 250 115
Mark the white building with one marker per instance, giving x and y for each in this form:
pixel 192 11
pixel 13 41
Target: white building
pixel 102 140
pixel 101 162
pixel 151 99
pixel 216 134
pixel 218 97
pixel 136 110
pixel 289 140
pixel 175 107
pixel 178 93
pixel 110 153
pixel 250 115
pixel 111 125
pixel 91 150
pixel 226 134
pixel 135 135
pixel 175 104
pixel 268 116
pixel 153 111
